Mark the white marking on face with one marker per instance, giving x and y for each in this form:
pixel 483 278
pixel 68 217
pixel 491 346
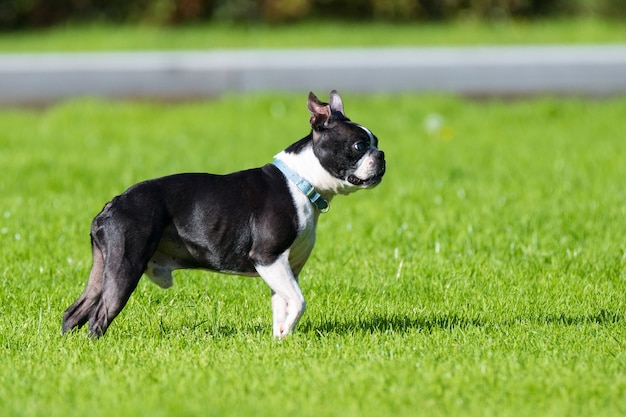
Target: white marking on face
pixel 369 134
pixel 368 165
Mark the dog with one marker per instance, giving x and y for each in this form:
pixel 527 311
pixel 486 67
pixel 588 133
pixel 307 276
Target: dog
pixel 256 222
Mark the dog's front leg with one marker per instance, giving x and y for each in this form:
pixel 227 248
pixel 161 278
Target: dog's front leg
pixel 279 313
pixel 287 300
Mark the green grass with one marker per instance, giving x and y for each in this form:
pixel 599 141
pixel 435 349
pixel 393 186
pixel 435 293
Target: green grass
pixel 485 276
pixel 100 37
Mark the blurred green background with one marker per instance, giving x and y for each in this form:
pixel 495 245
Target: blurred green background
pixel 21 14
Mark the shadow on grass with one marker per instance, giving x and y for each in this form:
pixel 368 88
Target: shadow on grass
pixel 379 323
pixel 601 317
pixel 394 323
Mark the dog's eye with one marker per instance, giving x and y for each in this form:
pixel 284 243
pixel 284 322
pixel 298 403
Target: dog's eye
pixel 361 146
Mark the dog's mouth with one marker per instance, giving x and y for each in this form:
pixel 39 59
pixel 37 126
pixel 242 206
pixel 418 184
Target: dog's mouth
pixel 367 182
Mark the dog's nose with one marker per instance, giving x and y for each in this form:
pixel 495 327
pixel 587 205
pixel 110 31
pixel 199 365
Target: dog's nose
pixel 379 157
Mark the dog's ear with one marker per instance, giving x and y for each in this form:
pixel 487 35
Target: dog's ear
pixel 320 112
pixel 335 102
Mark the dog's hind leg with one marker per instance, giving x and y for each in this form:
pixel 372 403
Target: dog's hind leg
pixel 77 314
pixel 123 266
pixel 118 286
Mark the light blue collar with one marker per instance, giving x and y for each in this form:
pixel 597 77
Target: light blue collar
pixel 303 185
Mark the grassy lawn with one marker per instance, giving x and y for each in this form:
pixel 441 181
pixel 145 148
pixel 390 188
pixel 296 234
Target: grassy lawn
pixel 485 276
pixel 321 34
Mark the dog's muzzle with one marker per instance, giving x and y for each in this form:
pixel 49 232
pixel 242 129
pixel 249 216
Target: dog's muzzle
pixel 374 179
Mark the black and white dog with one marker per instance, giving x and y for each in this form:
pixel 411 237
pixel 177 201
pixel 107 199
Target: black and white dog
pixel 258 222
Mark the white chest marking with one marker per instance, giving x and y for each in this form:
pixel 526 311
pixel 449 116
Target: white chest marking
pixel 307 222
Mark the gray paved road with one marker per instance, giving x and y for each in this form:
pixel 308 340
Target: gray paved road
pixel 588 70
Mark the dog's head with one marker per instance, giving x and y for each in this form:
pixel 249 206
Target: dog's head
pixel 346 150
